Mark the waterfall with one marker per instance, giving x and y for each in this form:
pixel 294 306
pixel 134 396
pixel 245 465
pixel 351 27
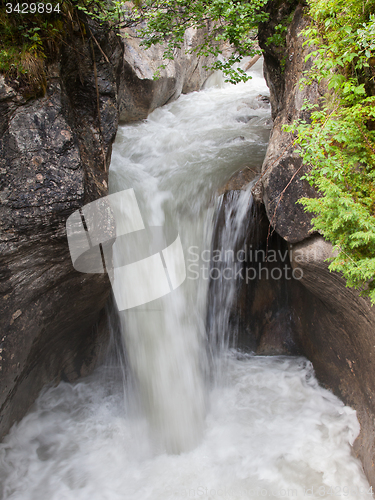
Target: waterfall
pixel 233 224
pixel 200 419
pixel 176 161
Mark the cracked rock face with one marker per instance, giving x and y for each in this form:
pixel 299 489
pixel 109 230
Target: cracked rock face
pixel 282 166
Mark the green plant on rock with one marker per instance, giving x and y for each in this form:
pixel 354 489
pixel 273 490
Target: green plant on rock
pixel 27 39
pixel 278 38
pixel 337 143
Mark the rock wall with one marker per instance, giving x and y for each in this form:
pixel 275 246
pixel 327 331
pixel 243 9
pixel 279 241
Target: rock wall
pixel 140 93
pixel 332 325
pixel 55 155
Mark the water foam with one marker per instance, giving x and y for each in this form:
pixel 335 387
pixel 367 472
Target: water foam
pixel 271 429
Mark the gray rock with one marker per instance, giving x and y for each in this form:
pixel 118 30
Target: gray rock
pixel 54 158
pixel 335 328
pixel 140 93
pixel 282 166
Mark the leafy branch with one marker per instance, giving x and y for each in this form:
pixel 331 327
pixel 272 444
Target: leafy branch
pixel 337 143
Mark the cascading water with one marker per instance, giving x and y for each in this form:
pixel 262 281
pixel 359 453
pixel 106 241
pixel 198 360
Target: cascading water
pixel 265 428
pixel 232 226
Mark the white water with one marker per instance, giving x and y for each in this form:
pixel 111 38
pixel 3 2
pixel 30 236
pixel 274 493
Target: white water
pixel 267 429
pixel 176 161
pixel 270 429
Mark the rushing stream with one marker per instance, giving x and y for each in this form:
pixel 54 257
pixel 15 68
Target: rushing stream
pixel 188 417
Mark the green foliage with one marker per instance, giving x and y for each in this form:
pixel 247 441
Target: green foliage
pixel 114 14
pixel 278 38
pixel 338 142
pixel 233 22
pixel 27 41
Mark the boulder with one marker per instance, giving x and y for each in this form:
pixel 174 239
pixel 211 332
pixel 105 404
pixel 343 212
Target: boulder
pixel 335 328
pixel 55 153
pixel 282 167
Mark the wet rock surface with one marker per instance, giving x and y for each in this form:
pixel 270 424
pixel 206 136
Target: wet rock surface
pixel 282 168
pixel 239 180
pixel 335 328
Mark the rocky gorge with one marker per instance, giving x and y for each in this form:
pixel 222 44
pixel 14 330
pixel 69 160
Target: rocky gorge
pixel 56 151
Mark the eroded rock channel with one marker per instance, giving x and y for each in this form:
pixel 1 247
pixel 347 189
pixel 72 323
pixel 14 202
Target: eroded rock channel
pixel 56 154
